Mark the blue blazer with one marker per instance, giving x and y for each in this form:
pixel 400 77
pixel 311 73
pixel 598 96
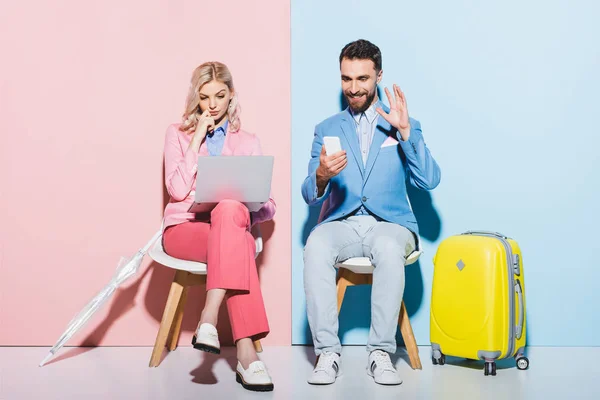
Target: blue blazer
pixel 380 185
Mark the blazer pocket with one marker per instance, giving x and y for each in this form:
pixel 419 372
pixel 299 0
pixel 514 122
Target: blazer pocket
pixel 389 149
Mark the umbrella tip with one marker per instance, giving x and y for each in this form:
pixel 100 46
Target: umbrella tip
pixel 45 360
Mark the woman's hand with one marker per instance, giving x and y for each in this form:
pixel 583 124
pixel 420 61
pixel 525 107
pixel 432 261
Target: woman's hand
pixel 205 124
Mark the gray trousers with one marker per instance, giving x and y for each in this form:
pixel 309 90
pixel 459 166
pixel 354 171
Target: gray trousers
pixel 387 245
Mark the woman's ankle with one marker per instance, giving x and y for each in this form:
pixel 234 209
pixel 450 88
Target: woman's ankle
pixel 208 317
pixel 246 353
pixel 210 313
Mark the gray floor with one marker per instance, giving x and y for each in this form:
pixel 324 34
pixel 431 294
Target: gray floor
pixel 123 373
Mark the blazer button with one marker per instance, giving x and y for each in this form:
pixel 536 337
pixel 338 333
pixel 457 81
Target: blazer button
pixel 364 199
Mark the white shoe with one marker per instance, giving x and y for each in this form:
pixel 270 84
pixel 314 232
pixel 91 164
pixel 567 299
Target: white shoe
pixel 326 370
pixel 255 378
pixel 206 339
pixel 381 368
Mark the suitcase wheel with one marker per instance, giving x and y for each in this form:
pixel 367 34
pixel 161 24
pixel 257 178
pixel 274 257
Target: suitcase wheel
pixel 489 369
pixel 441 360
pixel 522 363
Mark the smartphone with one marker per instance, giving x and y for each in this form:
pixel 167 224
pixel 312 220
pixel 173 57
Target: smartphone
pixel 332 144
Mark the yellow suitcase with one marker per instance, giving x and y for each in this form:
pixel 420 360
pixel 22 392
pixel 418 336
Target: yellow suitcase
pixel 478 300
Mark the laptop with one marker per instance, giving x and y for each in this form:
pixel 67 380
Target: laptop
pixel 246 179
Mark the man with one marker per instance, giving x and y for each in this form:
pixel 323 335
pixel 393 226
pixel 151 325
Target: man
pixel 365 211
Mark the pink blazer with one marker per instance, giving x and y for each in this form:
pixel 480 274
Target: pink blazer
pixel 181 166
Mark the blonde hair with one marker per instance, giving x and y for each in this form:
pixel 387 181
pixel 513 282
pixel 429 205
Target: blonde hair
pixel 202 75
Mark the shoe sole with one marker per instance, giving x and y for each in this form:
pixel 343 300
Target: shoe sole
pixel 255 388
pixel 321 383
pixel 204 347
pixel 387 384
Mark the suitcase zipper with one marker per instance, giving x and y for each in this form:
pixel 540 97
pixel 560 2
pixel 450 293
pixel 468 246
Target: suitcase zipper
pixel 511 285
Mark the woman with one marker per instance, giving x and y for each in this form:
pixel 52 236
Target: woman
pixel 221 238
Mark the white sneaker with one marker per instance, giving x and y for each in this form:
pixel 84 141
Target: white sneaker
pixel 255 378
pixel 381 368
pixel 206 339
pixel 326 370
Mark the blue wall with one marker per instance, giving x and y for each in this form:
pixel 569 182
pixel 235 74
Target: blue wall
pixel 507 95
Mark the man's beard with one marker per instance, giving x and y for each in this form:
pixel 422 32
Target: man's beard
pixel 364 106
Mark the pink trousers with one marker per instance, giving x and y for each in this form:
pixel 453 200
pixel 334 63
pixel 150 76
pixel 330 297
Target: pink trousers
pixel 227 247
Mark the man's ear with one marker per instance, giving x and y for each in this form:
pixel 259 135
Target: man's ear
pixel 379 76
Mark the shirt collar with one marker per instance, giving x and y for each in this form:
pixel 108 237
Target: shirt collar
pixel 222 130
pixel 370 113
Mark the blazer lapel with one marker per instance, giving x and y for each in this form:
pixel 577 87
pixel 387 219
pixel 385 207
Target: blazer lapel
pixel 203 149
pixel 229 145
pixel 381 133
pixel 349 129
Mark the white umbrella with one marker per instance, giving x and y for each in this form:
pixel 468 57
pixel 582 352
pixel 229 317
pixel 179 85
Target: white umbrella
pixel 127 267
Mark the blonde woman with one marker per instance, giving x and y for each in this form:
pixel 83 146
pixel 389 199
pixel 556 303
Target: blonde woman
pixel 211 127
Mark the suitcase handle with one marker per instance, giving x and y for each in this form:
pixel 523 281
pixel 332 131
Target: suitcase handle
pixel 486 233
pixel 519 327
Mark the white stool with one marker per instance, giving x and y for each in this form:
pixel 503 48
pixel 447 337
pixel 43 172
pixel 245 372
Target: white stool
pixel 187 273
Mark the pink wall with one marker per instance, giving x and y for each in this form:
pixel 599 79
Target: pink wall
pixel 87 90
